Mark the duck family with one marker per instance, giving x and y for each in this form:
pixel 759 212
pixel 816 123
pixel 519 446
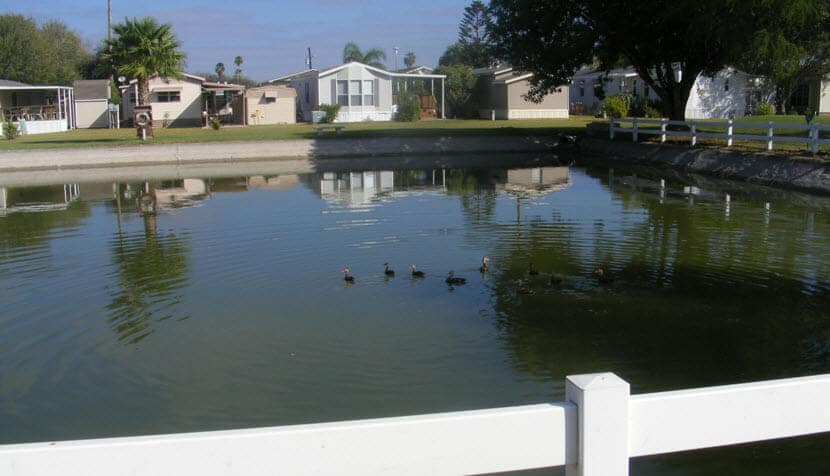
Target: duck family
pixel 522 285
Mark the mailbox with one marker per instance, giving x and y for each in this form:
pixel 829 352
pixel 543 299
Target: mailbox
pixel 143 120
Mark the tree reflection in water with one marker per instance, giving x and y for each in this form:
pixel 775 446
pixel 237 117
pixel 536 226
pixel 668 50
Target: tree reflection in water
pixel 700 297
pixel 152 270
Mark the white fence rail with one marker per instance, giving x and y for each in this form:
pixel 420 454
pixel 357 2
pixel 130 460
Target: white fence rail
pixel 593 434
pixel 812 139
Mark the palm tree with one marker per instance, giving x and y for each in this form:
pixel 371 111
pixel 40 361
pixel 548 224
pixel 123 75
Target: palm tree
pixel 238 73
pixel 409 60
pixel 372 57
pixel 220 70
pixel 142 49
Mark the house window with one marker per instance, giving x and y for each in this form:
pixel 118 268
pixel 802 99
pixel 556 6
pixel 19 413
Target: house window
pixel 168 96
pixel 646 92
pixel 726 85
pixel 355 94
pixel 368 93
pixel 343 93
pixel 634 87
pixel 582 88
pixel 307 97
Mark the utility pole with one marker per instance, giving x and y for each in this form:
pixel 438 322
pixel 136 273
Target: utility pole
pixel 109 21
pixel 396 57
pixel 308 59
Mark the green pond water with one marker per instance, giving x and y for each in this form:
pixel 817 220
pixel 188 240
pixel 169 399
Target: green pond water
pixel 133 307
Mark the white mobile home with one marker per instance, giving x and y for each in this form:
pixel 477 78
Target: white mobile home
pixel 729 93
pixel 365 93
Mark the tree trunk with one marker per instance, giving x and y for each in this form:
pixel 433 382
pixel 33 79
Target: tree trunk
pixel 144 91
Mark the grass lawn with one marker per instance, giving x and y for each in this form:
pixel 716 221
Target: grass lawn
pixel 431 128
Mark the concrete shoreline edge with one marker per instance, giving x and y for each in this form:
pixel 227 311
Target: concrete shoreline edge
pixel 804 174
pixel 152 154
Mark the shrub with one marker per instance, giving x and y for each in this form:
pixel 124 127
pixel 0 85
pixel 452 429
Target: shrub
pixel 809 115
pixel 331 111
pixel 409 107
pixel 643 107
pixel 10 129
pixel 764 109
pixel 617 105
pixel 215 123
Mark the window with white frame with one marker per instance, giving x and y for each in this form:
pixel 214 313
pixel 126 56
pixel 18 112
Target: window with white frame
pixel 307 96
pixel 168 96
pixel 355 93
pixel 343 93
pixel 368 93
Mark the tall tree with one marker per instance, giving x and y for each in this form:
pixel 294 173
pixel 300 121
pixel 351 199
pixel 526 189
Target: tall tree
pixel 409 60
pixel 553 39
pixel 142 49
pixel 461 83
pixel 373 57
pixel 474 36
pixel 238 72
pixel 220 70
pixel 50 54
pixel 792 48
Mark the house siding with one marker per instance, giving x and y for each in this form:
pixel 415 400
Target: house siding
pixel 381 111
pixel 92 114
pixel 281 111
pixel 186 112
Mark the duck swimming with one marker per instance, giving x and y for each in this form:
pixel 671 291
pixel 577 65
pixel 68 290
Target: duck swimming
pixel 602 275
pixel 453 279
pixel 346 276
pixel 523 288
pixel 532 271
pixel 484 264
pixel 388 271
pixel 415 272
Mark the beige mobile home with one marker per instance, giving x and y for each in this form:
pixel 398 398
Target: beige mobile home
pixel 92 103
pixel 175 102
pixel 500 92
pixel 271 104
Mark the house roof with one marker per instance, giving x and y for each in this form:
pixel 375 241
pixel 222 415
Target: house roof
pixel 184 75
pixel 334 69
pixel 8 82
pixel 92 89
pixel 416 69
pixel 495 70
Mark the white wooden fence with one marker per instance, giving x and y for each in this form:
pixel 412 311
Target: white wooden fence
pixel 812 139
pixel 594 433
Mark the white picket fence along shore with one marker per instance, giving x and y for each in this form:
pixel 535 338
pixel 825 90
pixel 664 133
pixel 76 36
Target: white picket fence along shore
pixel 593 433
pixel 813 139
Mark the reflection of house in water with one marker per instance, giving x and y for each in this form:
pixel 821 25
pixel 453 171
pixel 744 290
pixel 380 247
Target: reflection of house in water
pixel 169 193
pixel 354 188
pixel 536 180
pixel 276 182
pixel 37 199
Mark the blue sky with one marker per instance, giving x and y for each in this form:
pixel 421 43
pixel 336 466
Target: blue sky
pixel 271 37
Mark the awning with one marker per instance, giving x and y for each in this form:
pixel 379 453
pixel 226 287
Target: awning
pixel 167 89
pixel 272 94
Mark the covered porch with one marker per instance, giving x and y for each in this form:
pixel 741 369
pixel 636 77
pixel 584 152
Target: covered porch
pixel 38 109
pixel 225 101
pixel 425 86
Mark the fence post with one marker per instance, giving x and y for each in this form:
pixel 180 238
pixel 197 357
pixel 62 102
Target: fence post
pixel 694 133
pixel 770 135
pixel 663 122
pixel 634 130
pixel 729 130
pixel 611 128
pixel 814 138
pixel 602 407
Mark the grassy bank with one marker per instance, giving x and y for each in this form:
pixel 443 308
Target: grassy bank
pixel 755 125
pixel 434 128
